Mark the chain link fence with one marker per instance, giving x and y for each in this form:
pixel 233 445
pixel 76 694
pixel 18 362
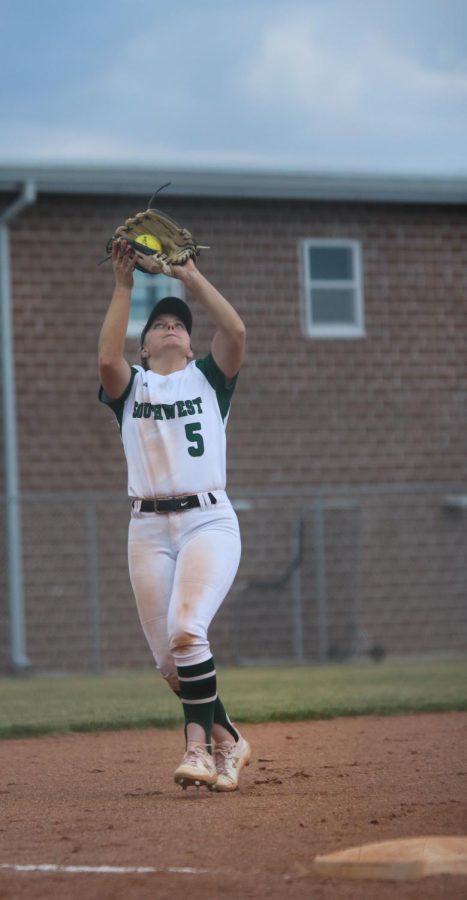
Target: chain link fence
pixel 326 575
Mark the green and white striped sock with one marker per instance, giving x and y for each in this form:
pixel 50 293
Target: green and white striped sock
pixel 220 717
pixel 198 693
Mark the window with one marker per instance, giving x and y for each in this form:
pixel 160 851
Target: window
pixel 147 290
pixel 333 288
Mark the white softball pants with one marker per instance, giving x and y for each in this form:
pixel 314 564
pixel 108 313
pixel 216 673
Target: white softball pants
pixel 182 565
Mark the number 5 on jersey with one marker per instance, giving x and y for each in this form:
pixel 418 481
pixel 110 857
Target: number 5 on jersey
pixel 194 438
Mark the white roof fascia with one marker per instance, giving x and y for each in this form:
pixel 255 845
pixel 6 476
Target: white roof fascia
pixel 235 183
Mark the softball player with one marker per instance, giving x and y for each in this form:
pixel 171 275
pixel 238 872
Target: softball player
pixel 184 541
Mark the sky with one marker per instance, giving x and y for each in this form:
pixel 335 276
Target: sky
pixel 323 85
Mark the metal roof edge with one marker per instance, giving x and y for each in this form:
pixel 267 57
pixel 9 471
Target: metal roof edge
pixel 226 183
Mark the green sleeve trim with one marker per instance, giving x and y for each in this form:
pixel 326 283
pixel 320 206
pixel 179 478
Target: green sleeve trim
pixel 117 405
pixel 223 388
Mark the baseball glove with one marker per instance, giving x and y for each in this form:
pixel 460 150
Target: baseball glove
pixel 158 241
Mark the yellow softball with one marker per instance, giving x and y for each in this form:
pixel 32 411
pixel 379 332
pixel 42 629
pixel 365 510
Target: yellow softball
pixel 149 240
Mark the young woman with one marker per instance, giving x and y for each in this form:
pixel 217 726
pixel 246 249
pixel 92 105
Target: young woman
pixel 184 541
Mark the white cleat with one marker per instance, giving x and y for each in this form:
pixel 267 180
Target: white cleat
pixel 230 758
pixel 197 768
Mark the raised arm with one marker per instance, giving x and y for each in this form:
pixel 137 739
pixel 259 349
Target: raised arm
pixel 114 370
pixel 228 343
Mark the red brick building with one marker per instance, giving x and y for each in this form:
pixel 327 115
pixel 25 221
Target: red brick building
pixel 347 437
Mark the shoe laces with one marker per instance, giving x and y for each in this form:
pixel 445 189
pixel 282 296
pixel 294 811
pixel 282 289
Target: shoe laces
pixel 224 754
pixel 196 753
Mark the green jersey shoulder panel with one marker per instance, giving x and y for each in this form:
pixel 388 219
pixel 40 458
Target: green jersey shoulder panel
pixel 117 405
pixel 223 387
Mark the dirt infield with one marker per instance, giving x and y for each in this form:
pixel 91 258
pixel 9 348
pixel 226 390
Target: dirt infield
pixel 313 787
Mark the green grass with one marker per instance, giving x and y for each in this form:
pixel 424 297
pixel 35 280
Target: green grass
pixel 40 705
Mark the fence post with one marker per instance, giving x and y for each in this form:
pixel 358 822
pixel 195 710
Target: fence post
pixel 355 630
pixel 93 584
pixel 296 590
pixel 320 563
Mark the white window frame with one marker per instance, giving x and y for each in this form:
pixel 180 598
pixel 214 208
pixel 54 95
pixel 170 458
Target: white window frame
pixel 334 330
pixel 174 289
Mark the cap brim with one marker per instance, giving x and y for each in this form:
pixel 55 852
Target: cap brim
pixel 174 306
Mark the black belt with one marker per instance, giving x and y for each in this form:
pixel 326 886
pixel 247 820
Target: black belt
pixel 172 504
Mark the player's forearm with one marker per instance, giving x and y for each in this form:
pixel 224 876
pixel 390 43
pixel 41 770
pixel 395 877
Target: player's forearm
pixel 111 344
pixel 217 307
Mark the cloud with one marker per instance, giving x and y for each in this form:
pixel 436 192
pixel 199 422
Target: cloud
pixel 26 143
pixel 331 84
pixel 354 99
pixel 294 65
pixel 23 142
pixel 291 67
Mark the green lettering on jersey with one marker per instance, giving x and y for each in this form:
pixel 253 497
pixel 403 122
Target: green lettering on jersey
pixel 171 410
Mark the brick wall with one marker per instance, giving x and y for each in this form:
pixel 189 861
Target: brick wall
pixel 386 409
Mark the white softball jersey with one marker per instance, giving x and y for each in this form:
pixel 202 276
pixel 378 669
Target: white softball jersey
pixel 173 429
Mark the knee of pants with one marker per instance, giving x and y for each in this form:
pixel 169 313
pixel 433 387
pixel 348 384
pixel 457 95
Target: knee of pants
pixel 184 639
